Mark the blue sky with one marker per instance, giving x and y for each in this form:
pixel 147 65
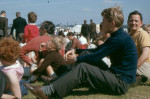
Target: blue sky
pixel 71 11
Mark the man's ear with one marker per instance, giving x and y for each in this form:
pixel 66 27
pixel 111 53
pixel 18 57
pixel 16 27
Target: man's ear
pixel 45 31
pixel 141 23
pixel 114 23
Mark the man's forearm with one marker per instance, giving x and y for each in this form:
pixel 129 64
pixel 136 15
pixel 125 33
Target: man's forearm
pixel 143 57
pixel 141 60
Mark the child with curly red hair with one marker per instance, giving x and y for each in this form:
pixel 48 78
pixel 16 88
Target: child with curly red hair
pixel 9 53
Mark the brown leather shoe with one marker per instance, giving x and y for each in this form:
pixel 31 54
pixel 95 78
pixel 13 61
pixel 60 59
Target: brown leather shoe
pixel 139 79
pixel 48 79
pixel 36 91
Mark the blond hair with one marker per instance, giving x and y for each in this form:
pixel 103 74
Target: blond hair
pixel 114 14
pixel 59 42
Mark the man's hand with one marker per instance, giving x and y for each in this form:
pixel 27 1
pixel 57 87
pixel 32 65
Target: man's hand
pixel 70 55
pixel 33 67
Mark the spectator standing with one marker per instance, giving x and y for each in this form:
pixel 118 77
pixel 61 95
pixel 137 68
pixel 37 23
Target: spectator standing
pixel 19 24
pixel 31 30
pixel 3 24
pixel 85 30
pixel 93 29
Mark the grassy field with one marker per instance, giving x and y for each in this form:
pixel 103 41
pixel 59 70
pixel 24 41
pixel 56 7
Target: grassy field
pixel 140 92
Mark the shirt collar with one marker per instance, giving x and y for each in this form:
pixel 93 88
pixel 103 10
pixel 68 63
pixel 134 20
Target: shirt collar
pixel 136 33
pixel 2 16
pixel 116 32
pixel 16 65
pixel 31 23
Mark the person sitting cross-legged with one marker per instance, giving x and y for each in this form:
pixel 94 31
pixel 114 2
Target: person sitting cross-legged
pixel 54 63
pixel 142 42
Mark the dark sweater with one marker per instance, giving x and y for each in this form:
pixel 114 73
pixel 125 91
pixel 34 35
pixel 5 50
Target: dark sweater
pixel 123 55
pixel 54 58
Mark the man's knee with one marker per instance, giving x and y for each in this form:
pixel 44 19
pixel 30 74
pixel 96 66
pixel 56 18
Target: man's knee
pixel 83 66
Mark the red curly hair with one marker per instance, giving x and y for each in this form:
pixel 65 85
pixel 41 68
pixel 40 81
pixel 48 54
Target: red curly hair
pixel 9 50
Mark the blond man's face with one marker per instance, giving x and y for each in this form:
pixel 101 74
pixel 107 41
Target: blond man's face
pixel 106 25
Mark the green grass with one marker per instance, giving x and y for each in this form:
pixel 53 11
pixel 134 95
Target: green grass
pixel 140 92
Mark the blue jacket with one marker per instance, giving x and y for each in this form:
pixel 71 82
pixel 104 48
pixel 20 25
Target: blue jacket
pixel 122 52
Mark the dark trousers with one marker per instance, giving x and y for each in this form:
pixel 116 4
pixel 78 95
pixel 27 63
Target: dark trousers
pixel 92 36
pixel 2 83
pixel 98 79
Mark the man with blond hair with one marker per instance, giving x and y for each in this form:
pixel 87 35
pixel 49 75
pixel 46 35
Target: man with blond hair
pixel 116 79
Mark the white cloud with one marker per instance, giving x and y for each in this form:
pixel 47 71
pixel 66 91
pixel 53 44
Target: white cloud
pixel 86 9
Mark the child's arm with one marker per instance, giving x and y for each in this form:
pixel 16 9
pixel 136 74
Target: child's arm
pixel 7 96
pixel 14 85
pixel 25 34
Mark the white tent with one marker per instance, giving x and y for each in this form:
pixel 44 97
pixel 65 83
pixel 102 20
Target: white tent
pixel 76 28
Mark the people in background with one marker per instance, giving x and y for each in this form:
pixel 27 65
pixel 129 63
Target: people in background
pixel 114 80
pixel 3 24
pixel 19 24
pixel 147 28
pixel 75 42
pixel 93 29
pixel 85 30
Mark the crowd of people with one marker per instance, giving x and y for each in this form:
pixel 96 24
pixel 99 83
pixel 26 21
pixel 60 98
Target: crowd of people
pixel 111 61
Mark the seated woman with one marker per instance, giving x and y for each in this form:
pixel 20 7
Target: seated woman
pixel 11 67
pixel 53 63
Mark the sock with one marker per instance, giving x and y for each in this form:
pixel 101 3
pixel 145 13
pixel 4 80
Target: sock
pixel 32 78
pixel 48 90
pixel 53 74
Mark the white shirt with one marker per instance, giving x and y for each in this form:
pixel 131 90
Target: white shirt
pixel 83 40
